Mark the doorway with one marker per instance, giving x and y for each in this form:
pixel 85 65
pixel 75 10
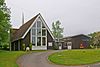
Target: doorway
pixel 69 45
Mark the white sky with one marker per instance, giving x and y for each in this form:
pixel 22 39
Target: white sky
pixel 76 16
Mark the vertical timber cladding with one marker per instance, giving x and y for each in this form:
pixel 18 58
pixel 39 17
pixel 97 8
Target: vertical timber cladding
pixel 26 40
pixel 49 40
pixel 76 42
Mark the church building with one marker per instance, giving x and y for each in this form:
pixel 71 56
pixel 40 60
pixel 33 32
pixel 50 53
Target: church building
pixel 34 31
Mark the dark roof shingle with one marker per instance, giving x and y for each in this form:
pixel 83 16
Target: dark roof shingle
pixel 21 31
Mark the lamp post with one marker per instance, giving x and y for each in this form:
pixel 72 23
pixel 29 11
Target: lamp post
pixel 9 32
pixel 0 43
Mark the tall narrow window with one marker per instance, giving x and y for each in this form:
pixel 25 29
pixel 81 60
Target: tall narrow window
pixel 39 32
pixel 33 31
pixel 43 32
pixel 43 41
pixel 38 41
pixel 33 41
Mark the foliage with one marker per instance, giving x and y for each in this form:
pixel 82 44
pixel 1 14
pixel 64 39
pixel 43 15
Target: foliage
pixel 55 47
pixel 30 46
pixel 0 46
pixel 4 23
pixel 95 39
pixel 57 30
pixel 75 57
pixel 6 47
pixel 23 47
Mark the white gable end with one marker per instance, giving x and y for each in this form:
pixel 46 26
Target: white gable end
pixel 39 18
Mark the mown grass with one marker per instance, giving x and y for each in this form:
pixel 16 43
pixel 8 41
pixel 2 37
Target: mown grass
pixel 8 58
pixel 75 57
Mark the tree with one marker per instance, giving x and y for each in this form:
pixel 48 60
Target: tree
pixel 4 23
pixel 57 30
pixel 92 35
pixel 95 39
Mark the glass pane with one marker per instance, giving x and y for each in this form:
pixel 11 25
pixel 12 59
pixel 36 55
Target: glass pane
pixel 39 24
pixel 33 31
pixel 38 41
pixel 39 32
pixel 43 32
pixel 43 41
pixel 33 40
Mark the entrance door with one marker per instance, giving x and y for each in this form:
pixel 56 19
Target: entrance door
pixel 69 45
pixel 60 46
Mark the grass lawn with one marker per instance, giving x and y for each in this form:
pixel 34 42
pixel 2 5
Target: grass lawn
pixel 8 59
pixel 76 57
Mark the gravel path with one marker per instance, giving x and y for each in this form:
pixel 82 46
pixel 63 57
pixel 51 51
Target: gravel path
pixel 39 59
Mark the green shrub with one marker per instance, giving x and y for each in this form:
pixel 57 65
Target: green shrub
pixel 23 47
pixel 30 46
pixel 55 47
pixel 6 47
pixel 0 46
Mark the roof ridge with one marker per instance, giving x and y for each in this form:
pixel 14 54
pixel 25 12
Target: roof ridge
pixel 75 35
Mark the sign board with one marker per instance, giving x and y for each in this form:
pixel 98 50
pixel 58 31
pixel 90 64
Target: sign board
pixel 60 47
pixel 50 43
pixel 69 47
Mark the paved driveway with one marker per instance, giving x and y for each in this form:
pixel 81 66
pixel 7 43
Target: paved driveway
pixel 39 59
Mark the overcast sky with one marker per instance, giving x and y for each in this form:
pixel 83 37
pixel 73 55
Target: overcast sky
pixel 76 16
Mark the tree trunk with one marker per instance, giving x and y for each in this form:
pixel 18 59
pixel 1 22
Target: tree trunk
pixel 96 46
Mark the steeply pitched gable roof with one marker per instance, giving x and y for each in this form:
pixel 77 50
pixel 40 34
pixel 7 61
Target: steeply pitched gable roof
pixel 21 31
pixel 24 29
